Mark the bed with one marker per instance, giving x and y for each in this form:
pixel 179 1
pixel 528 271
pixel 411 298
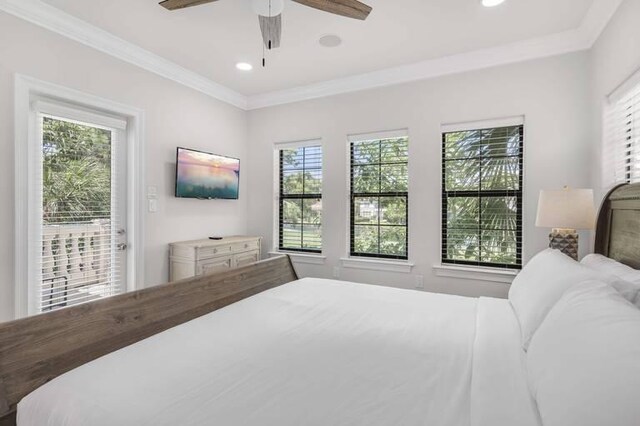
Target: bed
pixel 312 352
pixel 259 347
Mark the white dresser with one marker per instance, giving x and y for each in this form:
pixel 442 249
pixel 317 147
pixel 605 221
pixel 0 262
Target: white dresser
pixel 199 257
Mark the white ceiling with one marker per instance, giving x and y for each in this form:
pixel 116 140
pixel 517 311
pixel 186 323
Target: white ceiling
pixel 210 39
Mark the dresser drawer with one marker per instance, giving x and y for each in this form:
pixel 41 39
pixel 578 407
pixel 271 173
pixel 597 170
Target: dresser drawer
pixel 209 252
pixel 246 258
pixel 245 246
pixel 214 265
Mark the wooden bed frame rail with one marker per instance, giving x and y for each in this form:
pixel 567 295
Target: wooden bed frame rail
pixel 38 349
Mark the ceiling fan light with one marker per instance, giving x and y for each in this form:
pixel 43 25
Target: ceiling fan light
pixel 491 3
pixel 261 7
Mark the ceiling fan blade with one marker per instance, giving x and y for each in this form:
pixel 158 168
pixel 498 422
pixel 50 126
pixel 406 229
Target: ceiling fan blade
pixel 181 4
pixel 349 8
pixel 271 28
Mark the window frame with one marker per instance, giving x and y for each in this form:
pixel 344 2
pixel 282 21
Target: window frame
pixel 621 131
pixel 381 136
pixel 28 93
pixel 280 197
pixel 480 194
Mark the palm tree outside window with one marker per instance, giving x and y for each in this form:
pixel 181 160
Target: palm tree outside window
pixel 482 197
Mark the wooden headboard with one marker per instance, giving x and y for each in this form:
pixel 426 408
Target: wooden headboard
pixel 38 349
pixel 618 225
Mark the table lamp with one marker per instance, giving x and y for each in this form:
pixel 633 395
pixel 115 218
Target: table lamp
pixel 565 211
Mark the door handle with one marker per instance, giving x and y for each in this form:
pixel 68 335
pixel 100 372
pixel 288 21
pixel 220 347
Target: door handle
pixel 121 246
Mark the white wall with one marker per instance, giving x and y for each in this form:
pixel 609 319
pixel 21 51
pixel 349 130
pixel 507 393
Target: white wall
pixel 552 94
pixel 613 59
pixel 175 115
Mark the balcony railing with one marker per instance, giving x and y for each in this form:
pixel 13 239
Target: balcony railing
pixel 76 263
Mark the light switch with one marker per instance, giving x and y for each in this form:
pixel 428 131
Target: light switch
pixel 153 206
pixel 152 191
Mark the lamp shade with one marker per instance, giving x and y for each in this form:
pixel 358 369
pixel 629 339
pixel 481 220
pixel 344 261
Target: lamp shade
pixel 566 208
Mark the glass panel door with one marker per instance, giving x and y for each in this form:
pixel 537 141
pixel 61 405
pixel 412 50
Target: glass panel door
pixel 80 249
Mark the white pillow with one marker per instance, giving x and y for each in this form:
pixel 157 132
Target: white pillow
pixel 629 286
pixel 583 362
pixel 540 285
pixel 609 266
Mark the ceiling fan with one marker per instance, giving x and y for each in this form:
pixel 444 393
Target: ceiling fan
pixel 269 13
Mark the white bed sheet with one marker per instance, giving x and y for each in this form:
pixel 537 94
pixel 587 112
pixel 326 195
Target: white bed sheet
pixel 499 387
pixel 313 352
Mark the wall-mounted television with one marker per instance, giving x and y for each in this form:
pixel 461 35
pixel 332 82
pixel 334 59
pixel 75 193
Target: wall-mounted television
pixel 206 176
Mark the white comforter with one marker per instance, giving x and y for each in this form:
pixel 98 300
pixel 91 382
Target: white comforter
pixel 313 352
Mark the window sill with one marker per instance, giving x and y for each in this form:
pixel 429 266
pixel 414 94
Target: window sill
pixel 475 273
pixel 309 259
pixel 377 265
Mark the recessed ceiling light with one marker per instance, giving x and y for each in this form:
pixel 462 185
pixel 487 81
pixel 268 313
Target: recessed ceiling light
pixel 491 3
pixel 244 66
pixel 330 40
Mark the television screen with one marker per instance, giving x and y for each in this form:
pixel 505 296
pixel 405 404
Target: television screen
pixel 206 176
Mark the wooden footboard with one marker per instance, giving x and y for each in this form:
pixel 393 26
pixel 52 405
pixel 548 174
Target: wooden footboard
pixel 37 349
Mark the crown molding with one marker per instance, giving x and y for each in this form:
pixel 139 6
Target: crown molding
pixel 67 25
pixel 555 44
pixel 579 39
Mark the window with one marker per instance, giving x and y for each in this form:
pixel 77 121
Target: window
pixel 79 226
pixel 300 197
pixel 622 136
pixel 379 196
pixel 482 196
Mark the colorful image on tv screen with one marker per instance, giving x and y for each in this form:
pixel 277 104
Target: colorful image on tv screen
pixel 203 175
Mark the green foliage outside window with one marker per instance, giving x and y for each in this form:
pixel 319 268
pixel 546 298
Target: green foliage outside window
pixel 482 196
pixel 301 199
pixel 379 198
pixel 76 172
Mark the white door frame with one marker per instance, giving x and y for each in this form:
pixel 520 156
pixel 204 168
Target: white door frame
pixel 28 89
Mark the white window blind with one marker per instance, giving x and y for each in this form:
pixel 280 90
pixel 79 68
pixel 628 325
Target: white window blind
pixel 621 149
pixel 300 196
pixel 482 190
pixel 78 210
